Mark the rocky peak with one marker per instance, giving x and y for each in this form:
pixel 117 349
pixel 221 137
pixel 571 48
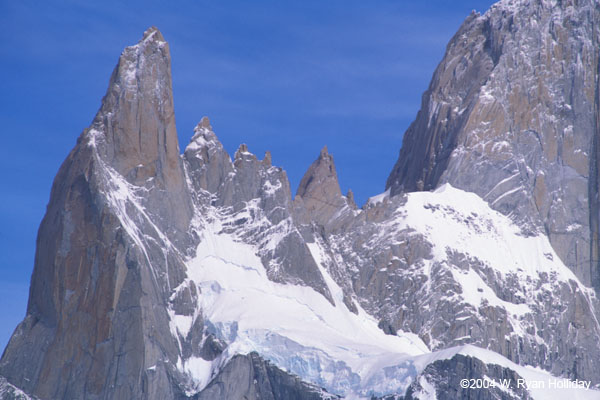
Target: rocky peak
pixel 209 164
pixel 256 196
pixel 320 190
pixel 243 154
pixel 267 160
pixel 97 279
pixel 511 114
pixel 350 199
pixel 205 123
pixel 204 137
pixel 135 126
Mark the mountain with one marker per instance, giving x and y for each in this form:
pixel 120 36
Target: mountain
pixel 512 114
pixel 169 275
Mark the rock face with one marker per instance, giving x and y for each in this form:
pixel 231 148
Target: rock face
pixel 104 260
pixel 320 191
pixel 512 114
pixel 427 263
pixel 250 377
pixel 256 196
pixel 167 276
pixel 441 380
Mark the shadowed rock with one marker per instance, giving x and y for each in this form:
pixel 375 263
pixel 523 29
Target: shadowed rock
pixel 252 378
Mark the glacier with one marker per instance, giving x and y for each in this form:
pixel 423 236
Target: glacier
pixel 301 332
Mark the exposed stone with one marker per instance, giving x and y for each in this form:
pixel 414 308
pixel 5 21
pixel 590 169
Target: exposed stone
pixel 92 326
pixel 260 194
pixel 511 114
pixel 320 190
pixel 127 211
pixel 442 379
pixel 252 378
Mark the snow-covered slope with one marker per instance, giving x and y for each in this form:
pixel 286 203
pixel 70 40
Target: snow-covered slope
pixel 448 267
pixel 325 343
pixel 294 326
pixel 539 383
pixel 512 114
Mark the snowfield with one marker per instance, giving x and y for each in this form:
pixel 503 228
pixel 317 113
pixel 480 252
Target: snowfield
pixel 302 332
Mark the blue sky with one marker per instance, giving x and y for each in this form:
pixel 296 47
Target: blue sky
pixel 288 77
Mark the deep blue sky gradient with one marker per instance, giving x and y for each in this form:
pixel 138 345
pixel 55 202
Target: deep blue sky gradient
pixel 283 76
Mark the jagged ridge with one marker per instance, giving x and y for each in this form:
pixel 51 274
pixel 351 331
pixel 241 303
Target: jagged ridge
pixel 189 251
